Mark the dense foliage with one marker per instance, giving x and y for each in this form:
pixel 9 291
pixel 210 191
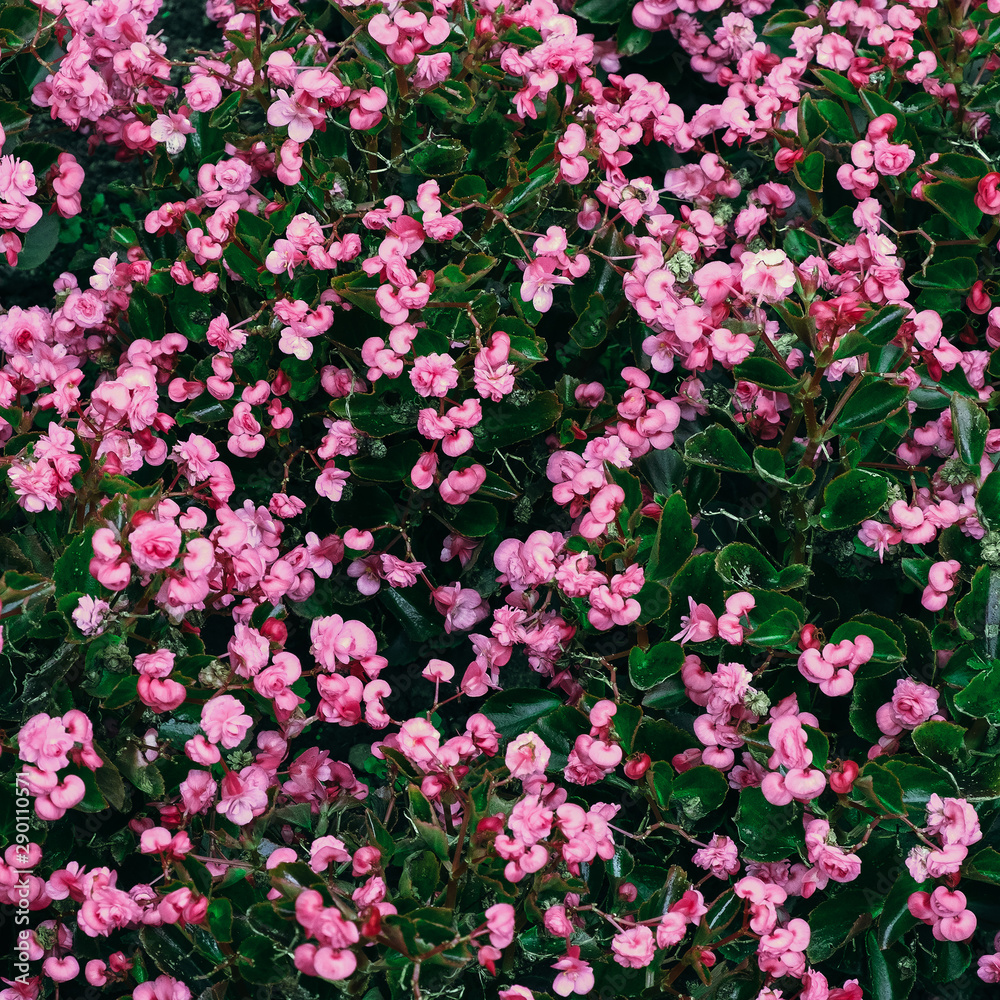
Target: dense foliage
pixel 499 498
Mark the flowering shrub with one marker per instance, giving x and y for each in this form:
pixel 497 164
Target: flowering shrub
pixel 508 506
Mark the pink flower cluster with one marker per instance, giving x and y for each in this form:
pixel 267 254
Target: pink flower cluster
pixel 49 745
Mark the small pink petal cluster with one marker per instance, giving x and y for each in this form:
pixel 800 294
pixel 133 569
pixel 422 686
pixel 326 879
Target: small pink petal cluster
pixel 50 745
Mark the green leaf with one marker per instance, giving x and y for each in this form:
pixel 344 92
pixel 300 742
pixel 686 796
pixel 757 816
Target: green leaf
pixel 13 118
pixel 449 98
pixel 872 403
pixel 968 168
pixel 433 836
pixel 674 540
pixel 956 202
pixel 258 960
pixel 39 242
pixel 470 186
pixel 414 621
pixel 109 781
pixel 784 22
pixel 147 314
pixel 505 423
pixel 769 833
pixel 941 742
pixel 881 787
pixel 980 698
pixel 171 951
pixel 955 275
pixel 811 124
pixel 896 919
pixel 630 39
pixel 220 919
pixel 983 866
pixel 969 426
pixel 769 464
pixel 660 778
pixel 835 921
pixel 718 448
pixel 475 519
pixel 891 972
pixel 649 667
pixel 851 498
pixel 392 467
pixel 952 958
pixel 810 170
pixel 699 581
pixel 591 328
pixel 745 566
pixel 766 373
pixel 776 630
pixel 72 569
pixel 516 710
pixel 601 11
pixel 838 85
pixel 699 790
pixel 978 613
pixel 242 264
pixel 145 777
pixel 884 325
pixel 441 157
pixel 919 782
pixel 988 501
pixel 225 112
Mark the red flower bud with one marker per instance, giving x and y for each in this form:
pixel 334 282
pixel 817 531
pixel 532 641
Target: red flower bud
pixel 275 631
pixel 978 299
pixel 810 637
pixel 637 765
pixel 842 780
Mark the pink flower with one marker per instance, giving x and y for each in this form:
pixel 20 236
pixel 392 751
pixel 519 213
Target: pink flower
pixel 721 857
pixel 575 975
pixel 162 988
pixel 912 704
pixel 225 721
pixel 297 114
pixel 768 275
pixel 244 795
pixel 878 536
pixel 953 820
pixel 419 741
pixel 500 922
pixel 698 626
pixel 434 375
pixel 44 741
pixel 527 755
pixel 154 545
pixel 634 948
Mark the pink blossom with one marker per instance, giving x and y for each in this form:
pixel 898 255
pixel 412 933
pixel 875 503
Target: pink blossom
pixel 634 947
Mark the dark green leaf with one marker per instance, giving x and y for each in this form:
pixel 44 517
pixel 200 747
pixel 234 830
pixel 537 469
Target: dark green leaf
pixel 766 373
pixel 674 541
pixel 851 498
pixel 699 790
pixel 896 919
pixel 835 921
pixel 769 833
pixel 718 448
pixel 505 424
pixel 870 404
pixel 649 667
pixel 515 711
pixel 39 242
pixel 956 202
pixel 969 426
